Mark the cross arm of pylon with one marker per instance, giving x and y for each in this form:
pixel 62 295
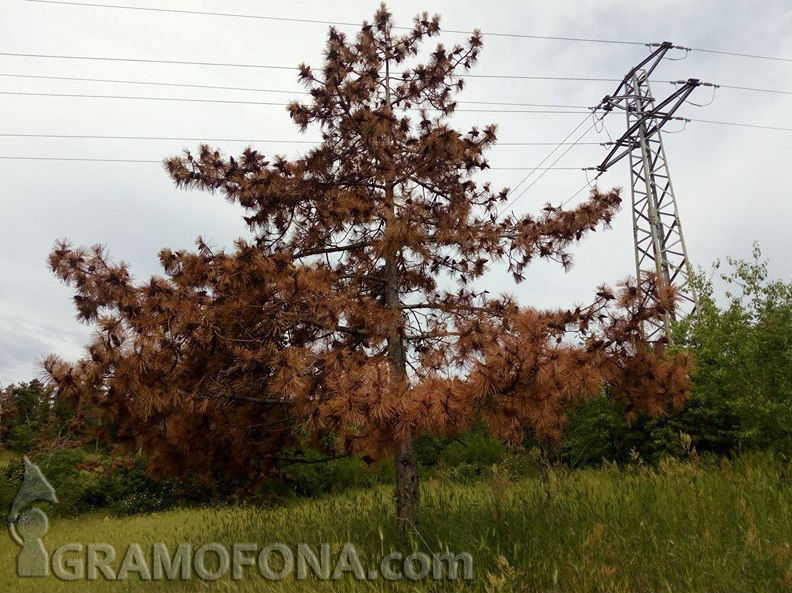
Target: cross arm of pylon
pixel 652 120
pixel 646 66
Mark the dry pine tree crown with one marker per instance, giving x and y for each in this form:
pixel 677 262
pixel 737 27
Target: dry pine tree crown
pixel 350 321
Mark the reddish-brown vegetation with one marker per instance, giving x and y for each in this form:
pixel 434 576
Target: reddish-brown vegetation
pixel 341 324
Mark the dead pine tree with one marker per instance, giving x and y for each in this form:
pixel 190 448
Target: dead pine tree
pixel 350 322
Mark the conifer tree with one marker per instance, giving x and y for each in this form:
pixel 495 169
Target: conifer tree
pixel 351 321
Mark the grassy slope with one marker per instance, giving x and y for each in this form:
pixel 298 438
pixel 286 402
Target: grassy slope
pixel 676 528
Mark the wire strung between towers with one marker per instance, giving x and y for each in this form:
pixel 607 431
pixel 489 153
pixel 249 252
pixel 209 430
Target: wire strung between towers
pixel 531 170
pixel 328 22
pixel 553 164
pixel 547 157
pixel 86 159
pixel 589 184
pixel 254 89
pixel 241 102
pixel 298 92
pixel 123 160
pixel 279 67
pixel 252 140
pixel 353 24
pixel 738 124
pixel 293 68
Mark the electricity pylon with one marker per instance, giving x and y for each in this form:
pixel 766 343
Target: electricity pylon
pixel 657 228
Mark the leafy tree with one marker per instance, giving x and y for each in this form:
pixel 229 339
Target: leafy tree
pixel 340 324
pixel 31 413
pixel 743 353
pixel 741 392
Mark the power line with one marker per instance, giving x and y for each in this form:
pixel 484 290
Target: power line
pixel 740 55
pixel 262 140
pixel 326 22
pixel 543 169
pixel 535 168
pixel 738 124
pixel 120 160
pixel 733 87
pixel 56 158
pixel 154 83
pixel 556 111
pixel 199 12
pixel 553 164
pixel 254 89
pixel 90 96
pixel 298 92
pixel 589 184
pixel 754 89
pixel 531 77
pixel 146 61
pixel 352 24
pixel 277 67
pixel 549 143
pixel 574 195
pixel 294 68
pixel 240 102
pixel 542 162
pixel 167 138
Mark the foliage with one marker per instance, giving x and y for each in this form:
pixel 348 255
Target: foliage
pixel 97 480
pixel 32 414
pixel 339 323
pixel 744 358
pixel 91 481
pixel 476 446
pixel 598 431
pixel 741 385
pixel 335 476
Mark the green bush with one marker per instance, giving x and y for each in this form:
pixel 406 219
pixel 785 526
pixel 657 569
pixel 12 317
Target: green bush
pixel 741 396
pixel 467 457
pixel 86 482
pixel 476 447
pixel 743 353
pixel 313 479
pixel 20 438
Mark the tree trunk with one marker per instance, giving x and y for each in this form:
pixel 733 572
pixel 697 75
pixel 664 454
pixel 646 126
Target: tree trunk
pixel 406 487
pixel 406 463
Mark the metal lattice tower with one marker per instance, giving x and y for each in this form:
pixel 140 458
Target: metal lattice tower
pixel 657 230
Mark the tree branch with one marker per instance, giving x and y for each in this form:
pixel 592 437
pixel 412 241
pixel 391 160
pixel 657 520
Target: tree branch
pixel 322 251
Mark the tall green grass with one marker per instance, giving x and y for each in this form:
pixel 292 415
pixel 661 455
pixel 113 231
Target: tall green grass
pixel 7 457
pixel 716 526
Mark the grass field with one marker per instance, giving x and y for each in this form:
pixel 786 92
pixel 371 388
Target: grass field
pixel 722 526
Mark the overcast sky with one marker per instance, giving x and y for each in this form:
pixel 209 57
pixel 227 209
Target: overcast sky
pixel 732 183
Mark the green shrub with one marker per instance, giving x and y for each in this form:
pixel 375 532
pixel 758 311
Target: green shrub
pixel 477 448
pixel 313 479
pixel 20 438
pixel 743 353
pixel 86 482
pixel 741 396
